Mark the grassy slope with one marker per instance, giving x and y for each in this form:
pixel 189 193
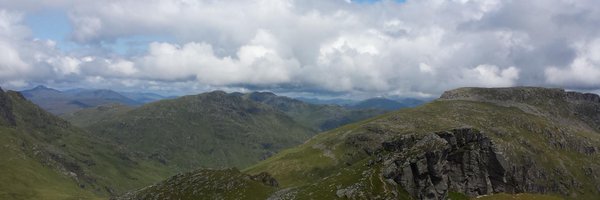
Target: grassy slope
pixel 318 162
pixel 207 130
pixel 22 177
pixel 50 158
pixel 89 116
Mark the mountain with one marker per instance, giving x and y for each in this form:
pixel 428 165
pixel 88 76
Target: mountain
pixel 45 157
pixel 58 102
pixel 386 104
pixel 101 96
pixel 469 142
pixel 318 117
pixel 213 129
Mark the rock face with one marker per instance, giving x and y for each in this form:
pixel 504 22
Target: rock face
pixel 460 160
pixel 576 96
pixel 586 106
pixel 465 161
pixel 265 178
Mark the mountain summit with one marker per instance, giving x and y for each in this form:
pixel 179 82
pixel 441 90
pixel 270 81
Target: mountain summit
pixel 58 102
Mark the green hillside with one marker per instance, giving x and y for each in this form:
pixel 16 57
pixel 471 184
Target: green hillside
pixel 44 157
pixel 470 142
pixel 89 116
pixel 208 130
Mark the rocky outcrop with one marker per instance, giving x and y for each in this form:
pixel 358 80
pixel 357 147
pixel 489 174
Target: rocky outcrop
pixel 586 106
pixel 512 94
pixel 265 178
pixel 460 160
pixel 577 96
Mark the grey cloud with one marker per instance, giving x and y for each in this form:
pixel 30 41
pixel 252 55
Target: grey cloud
pixel 414 48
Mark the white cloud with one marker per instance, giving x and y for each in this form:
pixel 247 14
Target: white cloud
pixel 12 64
pixel 417 47
pixel 490 76
pixel 123 67
pixel 425 68
pixel 253 64
pixel 65 65
pixel 583 72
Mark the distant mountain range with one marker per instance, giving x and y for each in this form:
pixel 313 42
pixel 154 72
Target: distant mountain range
pixel 61 102
pixel 317 117
pixel 379 103
pixel 69 101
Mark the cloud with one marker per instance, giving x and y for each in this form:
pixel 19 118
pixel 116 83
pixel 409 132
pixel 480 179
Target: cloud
pixel 413 48
pixel 16 48
pixel 490 76
pixel 11 64
pixel 583 72
pixel 256 63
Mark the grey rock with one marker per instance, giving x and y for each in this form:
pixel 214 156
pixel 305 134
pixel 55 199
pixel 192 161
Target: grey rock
pixel 461 160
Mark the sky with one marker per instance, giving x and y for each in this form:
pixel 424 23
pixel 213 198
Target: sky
pixel 316 48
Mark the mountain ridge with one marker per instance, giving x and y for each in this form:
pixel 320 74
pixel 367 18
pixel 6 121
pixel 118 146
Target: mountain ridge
pixel 59 102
